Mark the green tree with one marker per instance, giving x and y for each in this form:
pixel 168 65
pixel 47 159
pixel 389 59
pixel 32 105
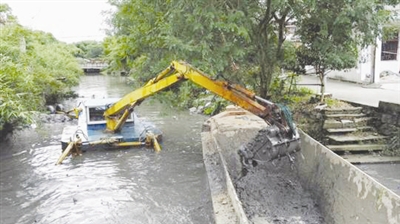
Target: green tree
pixel 5 14
pixel 243 40
pixel 34 68
pixel 332 33
pixel 89 49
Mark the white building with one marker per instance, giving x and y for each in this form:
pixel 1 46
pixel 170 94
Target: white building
pixel 374 61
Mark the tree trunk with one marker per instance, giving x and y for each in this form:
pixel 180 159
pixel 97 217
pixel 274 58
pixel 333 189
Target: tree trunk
pixel 263 42
pixel 322 80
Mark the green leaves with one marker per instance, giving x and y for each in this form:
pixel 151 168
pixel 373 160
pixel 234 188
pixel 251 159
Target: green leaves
pixel 243 40
pixel 34 67
pixel 218 37
pixel 89 49
pixel 331 35
pixel 207 34
pixel 332 32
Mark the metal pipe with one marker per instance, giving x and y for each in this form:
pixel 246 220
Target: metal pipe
pixel 264 100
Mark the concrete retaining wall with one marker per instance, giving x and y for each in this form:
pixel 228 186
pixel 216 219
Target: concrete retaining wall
pixel 344 193
pixel 387 117
pixel 389 114
pixel 222 135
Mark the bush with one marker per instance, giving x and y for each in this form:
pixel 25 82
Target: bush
pixel 34 67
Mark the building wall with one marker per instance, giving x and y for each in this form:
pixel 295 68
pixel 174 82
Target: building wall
pixel 392 66
pixel 363 73
pixel 352 75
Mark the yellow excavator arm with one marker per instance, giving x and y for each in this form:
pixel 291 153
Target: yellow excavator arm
pixel 177 72
pixel 282 135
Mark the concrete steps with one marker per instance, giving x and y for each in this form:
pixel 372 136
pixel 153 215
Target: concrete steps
pixel 348 133
pixel 370 159
pixel 350 110
pixel 346 123
pixel 347 130
pixel 349 138
pixel 356 147
pixel 345 116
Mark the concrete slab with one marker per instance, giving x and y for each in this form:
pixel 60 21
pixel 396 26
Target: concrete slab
pixel 370 159
pixel 341 130
pixel 356 147
pixel 353 92
pixel 354 123
pixel 356 138
pixel 351 110
pixel 344 116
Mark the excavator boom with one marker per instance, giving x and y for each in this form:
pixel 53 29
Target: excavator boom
pixel 283 135
pixel 181 71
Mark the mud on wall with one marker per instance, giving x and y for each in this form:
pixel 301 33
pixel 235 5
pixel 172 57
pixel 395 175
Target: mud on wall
pixel 345 193
pixel 268 193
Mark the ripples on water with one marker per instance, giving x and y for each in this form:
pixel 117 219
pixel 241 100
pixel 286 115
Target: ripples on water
pixel 119 186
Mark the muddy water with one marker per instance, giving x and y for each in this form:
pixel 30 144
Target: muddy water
pixel 121 186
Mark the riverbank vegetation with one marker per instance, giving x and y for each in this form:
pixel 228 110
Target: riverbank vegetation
pixel 245 42
pixel 262 45
pixel 35 69
pixel 89 49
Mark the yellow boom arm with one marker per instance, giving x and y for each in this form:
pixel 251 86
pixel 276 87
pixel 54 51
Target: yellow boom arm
pixel 176 72
pixel 282 138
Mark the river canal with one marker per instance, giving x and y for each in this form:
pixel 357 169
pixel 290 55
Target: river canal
pixel 133 185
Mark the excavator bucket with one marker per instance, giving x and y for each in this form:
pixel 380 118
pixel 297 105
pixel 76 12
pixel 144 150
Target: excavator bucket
pixel 279 139
pixel 269 144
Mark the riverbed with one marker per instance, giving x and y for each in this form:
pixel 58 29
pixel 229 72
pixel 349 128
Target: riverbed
pixel 133 185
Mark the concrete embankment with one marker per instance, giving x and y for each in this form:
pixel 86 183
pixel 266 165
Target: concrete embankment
pixel 319 187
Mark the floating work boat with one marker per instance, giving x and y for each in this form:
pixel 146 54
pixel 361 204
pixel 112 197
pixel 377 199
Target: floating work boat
pixel 91 132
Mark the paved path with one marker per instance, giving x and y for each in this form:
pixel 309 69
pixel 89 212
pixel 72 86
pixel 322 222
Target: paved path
pixel 388 90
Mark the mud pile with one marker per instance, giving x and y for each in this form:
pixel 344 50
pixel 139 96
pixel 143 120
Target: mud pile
pixel 271 192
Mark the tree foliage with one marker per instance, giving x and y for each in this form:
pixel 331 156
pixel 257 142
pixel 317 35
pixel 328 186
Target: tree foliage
pixel 89 49
pixel 34 67
pixel 392 29
pixel 242 40
pixel 332 33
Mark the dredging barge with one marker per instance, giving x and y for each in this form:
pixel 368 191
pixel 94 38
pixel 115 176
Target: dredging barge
pixel 90 132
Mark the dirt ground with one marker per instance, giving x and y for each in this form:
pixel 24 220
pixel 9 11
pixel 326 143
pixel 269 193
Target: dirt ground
pixel 271 192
